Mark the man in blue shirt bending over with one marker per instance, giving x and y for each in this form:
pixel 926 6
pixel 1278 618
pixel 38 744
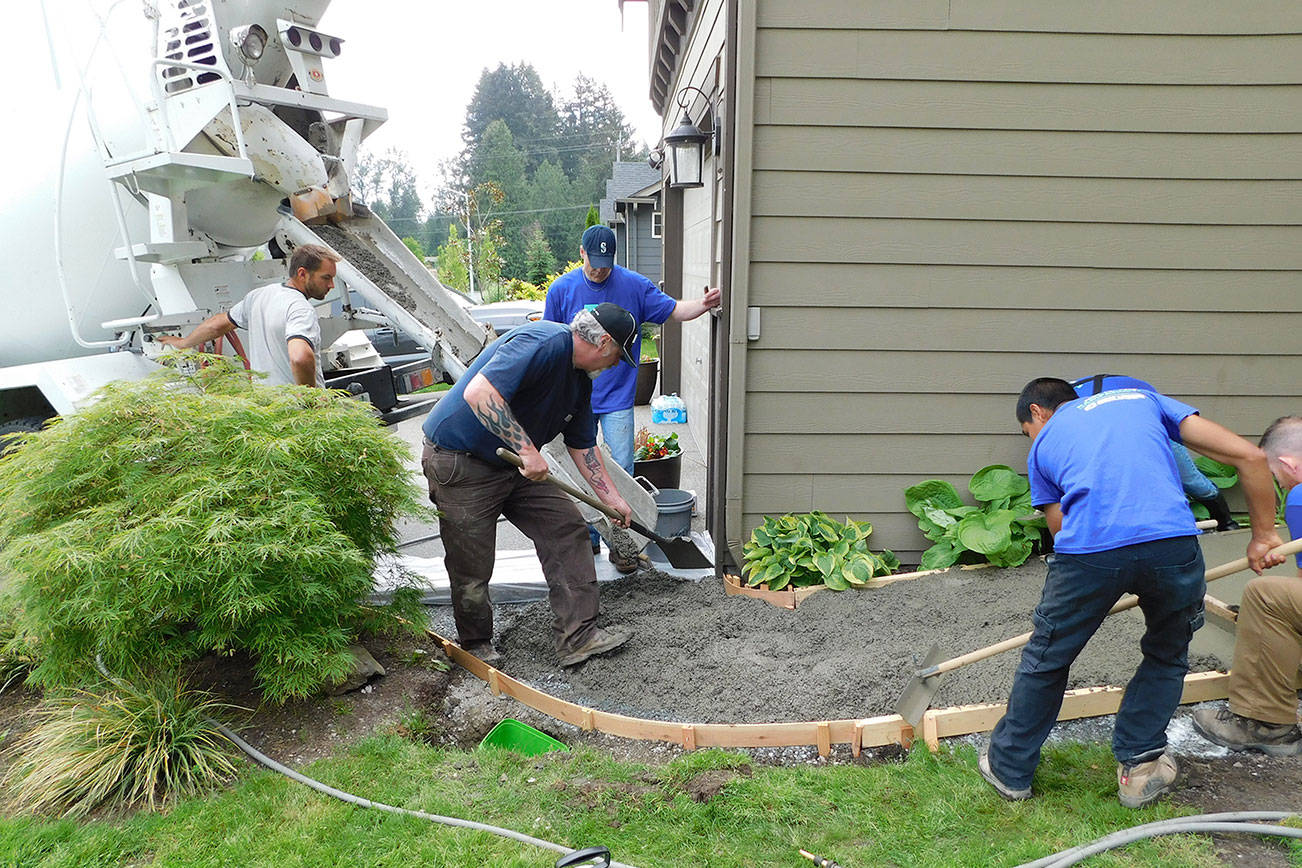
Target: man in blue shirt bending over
pixel 601 280
pixel 1102 471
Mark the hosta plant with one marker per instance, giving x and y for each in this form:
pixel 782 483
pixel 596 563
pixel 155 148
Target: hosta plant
pixel 813 549
pixel 1002 528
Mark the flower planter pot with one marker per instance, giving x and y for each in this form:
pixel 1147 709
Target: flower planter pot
pixel 647 374
pixel 662 472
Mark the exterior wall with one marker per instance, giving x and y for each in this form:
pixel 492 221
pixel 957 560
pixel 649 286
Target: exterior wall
pixel 644 248
pixel 699 66
pixel 950 197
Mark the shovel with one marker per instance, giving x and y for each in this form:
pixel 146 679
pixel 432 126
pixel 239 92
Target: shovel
pixel 681 551
pixel 916 697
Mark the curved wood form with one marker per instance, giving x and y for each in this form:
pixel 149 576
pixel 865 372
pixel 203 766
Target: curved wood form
pixel 790 598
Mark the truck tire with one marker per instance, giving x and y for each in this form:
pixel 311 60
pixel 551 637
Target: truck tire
pixel 22 425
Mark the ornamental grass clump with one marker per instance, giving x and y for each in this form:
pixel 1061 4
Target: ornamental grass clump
pixel 181 515
pixel 126 747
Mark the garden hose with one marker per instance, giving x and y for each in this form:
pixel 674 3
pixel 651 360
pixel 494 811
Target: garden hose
pixel 267 761
pixel 1233 822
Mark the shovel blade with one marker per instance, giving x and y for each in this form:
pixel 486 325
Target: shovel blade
pixel 916 697
pixel 683 554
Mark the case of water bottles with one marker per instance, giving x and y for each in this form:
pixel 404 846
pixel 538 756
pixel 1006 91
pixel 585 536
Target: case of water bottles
pixel 668 408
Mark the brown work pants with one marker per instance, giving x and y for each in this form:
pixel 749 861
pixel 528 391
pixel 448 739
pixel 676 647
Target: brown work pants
pixel 1267 650
pixel 471 493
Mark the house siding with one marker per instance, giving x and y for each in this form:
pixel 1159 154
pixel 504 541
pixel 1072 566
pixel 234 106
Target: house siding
pixel 950 198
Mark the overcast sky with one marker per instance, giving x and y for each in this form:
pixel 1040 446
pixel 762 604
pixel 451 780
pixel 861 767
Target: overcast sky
pixel 421 59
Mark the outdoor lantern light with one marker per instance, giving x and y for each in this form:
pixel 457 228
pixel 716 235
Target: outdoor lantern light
pixel 686 146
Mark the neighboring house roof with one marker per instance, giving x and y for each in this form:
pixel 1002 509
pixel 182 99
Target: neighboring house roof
pixel 627 179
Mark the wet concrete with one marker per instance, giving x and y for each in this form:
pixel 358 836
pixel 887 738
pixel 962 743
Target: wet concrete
pixel 698 655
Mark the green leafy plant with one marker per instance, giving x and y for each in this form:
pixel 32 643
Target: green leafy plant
pixel 181 515
pixel 1223 476
pixel 1001 528
pixel 812 549
pixel 129 746
pixel 649 447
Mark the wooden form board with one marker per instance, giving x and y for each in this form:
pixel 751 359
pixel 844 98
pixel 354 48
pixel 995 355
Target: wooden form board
pixel 857 733
pixel 790 598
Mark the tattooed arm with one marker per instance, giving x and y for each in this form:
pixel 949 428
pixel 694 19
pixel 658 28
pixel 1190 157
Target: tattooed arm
pixel 590 464
pixel 492 411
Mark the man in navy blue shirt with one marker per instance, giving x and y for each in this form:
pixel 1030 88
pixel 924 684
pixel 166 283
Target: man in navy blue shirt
pixel 601 280
pixel 524 389
pixel 1102 471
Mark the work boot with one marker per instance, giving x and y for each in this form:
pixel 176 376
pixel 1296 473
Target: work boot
pixel 625 564
pixel 601 642
pixel 1141 784
pixel 1218 509
pixel 1224 727
pixel 1012 795
pixel 485 651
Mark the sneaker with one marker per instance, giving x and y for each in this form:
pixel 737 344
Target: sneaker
pixel 1224 727
pixel 624 563
pixel 1142 784
pixel 485 652
pixel 601 642
pixel 1012 795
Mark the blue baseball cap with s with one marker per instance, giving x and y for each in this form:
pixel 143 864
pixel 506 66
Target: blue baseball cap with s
pixel 599 243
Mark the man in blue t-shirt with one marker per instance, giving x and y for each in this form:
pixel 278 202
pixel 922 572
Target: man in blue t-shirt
pixel 1261 714
pixel 1195 484
pixel 601 280
pixel 524 389
pixel 1102 472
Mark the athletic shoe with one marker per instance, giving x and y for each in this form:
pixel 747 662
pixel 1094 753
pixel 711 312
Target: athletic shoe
pixel 1141 784
pixel 1012 795
pixel 601 642
pixel 1224 727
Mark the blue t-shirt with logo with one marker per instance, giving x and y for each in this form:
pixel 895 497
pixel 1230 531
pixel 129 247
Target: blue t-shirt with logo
pixel 1105 459
pixel 532 367
pixel 572 292
pixel 1293 517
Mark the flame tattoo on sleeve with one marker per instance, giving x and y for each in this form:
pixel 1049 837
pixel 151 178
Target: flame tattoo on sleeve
pixel 495 415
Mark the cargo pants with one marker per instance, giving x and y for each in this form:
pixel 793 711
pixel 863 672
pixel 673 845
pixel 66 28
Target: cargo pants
pixel 471 494
pixel 1267 650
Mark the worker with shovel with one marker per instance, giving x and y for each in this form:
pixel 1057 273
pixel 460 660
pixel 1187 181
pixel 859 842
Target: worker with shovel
pixel 1102 472
pixel 524 389
pixel 1262 711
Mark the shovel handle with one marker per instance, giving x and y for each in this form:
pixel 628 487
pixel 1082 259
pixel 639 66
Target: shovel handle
pixel 1127 602
pixel 511 458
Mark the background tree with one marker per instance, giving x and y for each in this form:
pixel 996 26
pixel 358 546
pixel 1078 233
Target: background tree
pixel 539 261
pixel 452 259
pixel 387 184
pixel 593 217
pixel 514 95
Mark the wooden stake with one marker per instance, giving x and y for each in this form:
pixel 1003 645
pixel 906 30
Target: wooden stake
pixel 824 739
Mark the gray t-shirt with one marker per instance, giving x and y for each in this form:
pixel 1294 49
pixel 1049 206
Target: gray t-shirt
pixel 272 315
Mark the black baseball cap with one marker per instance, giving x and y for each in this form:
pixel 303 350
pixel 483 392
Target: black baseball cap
pixel 599 243
pixel 620 325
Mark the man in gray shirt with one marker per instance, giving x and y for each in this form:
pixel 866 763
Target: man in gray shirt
pixel 284 334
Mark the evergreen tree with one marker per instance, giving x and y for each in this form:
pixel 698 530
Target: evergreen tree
pixel 540 261
pixel 499 162
pixel 452 258
pixel 514 95
pixel 593 218
pixel 553 202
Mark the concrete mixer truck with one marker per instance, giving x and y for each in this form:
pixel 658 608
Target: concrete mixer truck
pixel 184 148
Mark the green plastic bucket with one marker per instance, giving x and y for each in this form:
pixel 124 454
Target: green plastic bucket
pixel 511 734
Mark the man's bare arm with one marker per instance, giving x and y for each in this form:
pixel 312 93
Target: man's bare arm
pixel 1218 442
pixel 492 411
pixel 302 361
pixel 593 468
pixel 213 327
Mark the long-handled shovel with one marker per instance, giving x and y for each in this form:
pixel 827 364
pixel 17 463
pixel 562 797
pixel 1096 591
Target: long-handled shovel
pixel 916 697
pixel 681 551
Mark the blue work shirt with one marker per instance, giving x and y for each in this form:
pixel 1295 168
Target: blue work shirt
pixel 532 367
pixel 1092 385
pixel 1293 517
pixel 1105 459
pixel 572 292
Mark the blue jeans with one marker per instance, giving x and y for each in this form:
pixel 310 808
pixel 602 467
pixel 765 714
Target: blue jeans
pixel 1167 576
pixel 1195 485
pixel 617 431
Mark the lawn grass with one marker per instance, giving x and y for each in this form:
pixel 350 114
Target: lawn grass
pixel 927 811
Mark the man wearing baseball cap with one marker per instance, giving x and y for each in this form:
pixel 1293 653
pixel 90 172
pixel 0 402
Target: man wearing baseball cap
pixel 600 281
pixel 525 388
